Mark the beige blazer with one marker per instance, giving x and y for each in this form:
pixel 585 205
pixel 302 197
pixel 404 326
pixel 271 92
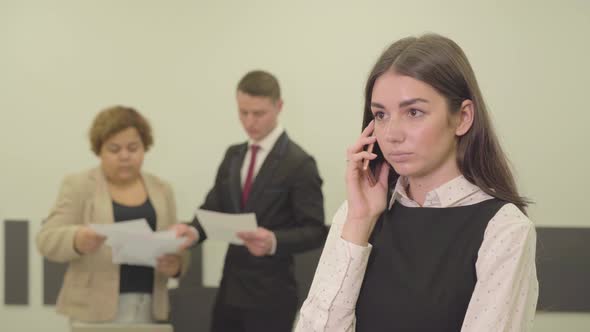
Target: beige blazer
pixel 90 289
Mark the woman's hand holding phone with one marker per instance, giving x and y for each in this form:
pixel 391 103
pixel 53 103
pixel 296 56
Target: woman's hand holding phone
pixel 366 169
pixel 366 193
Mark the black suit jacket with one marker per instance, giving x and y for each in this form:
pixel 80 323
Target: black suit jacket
pixel 287 199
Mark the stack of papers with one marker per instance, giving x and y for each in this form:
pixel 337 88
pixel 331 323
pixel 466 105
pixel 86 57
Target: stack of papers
pixel 134 243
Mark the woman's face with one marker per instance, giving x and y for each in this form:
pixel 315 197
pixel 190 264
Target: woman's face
pixel 121 156
pixel 414 128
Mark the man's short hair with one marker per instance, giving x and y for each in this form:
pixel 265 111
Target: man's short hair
pixel 260 83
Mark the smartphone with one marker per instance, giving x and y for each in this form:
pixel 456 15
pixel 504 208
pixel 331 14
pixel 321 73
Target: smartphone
pixel 370 168
pixel 369 149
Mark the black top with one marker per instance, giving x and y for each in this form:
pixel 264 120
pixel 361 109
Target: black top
pixel 136 279
pixel 421 271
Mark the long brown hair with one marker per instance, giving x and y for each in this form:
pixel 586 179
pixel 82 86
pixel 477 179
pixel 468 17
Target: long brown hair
pixel 440 63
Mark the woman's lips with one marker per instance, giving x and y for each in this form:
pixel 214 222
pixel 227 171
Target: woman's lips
pixel 400 157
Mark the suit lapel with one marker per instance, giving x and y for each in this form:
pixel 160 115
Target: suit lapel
pixel 102 205
pixel 267 170
pixel 234 181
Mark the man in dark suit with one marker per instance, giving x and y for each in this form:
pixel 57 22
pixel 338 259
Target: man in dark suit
pixel 273 177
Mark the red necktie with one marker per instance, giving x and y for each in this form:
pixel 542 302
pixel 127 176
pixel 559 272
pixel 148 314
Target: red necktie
pixel 248 183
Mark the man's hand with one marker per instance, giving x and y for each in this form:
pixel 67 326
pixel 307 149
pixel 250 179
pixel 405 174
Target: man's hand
pixel 259 242
pixel 186 231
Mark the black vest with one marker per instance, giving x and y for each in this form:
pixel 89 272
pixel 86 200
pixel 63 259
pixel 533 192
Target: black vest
pixel 421 272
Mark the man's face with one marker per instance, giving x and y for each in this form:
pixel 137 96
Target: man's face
pixel 259 115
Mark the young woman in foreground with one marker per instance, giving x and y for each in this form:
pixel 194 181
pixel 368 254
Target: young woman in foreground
pixel 438 240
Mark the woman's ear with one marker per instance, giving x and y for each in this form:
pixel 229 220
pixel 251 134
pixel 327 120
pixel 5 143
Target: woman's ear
pixel 466 114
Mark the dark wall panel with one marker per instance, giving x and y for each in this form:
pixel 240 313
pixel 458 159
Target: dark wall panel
pixel 16 262
pixel 563 268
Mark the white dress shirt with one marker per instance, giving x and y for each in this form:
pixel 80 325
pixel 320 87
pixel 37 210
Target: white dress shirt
pixel 265 145
pixel 506 292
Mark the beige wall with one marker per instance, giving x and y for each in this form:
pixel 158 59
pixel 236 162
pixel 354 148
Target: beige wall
pixel 178 62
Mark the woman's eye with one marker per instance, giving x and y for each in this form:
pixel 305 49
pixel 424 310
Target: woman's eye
pixel 379 115
pixel 415 113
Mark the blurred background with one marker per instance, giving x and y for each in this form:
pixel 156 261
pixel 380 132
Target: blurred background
pixel 178 62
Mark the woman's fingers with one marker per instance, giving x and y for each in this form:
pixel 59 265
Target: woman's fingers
pixel 369 129
pixel 364 139
pixel 167 263
pixel 357 153
pixel 360 144
pixel 360 156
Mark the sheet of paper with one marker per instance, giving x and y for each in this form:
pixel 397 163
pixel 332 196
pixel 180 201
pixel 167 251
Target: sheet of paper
pixel 224 226
pixel 134 243
pixel 142 250
pixel 116 233
pixel 133 226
